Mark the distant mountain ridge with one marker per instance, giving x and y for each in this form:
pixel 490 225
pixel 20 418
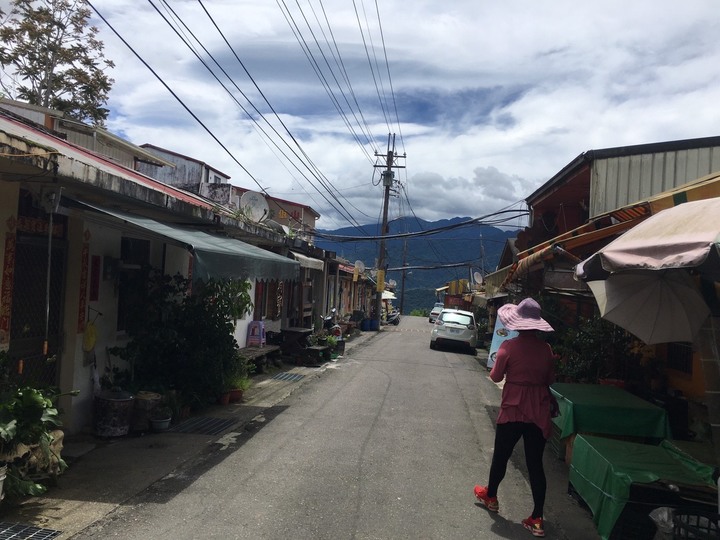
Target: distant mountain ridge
pixel 479 246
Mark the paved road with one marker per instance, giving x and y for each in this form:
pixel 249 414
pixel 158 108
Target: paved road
pixel 387 444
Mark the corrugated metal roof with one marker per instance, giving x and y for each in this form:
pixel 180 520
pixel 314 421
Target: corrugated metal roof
pixel 83 165
pixel 619 180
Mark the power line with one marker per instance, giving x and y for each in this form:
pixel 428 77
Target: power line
pixel 250 116
pixel 172 92
pixel 483 220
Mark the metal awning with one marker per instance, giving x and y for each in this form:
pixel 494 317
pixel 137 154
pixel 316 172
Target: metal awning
pixel 308 262
pixel 215 256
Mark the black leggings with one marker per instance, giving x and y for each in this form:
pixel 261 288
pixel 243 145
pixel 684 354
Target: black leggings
pixel 506 437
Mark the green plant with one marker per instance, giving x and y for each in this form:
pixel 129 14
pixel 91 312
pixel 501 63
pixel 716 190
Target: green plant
pixel 240 382
pixel 28 419
pixel 332 341
pixel 237 374
pixel 593 350
pixel 183 338
pixel 320 336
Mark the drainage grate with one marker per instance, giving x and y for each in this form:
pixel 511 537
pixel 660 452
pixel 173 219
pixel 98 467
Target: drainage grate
pixel 18 531
pixel 203 425
pixel 285 376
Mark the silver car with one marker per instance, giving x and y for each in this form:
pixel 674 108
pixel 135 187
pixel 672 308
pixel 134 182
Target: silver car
pixel 454 326
pixel 435 311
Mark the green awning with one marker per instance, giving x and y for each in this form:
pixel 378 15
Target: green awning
pixel 216 256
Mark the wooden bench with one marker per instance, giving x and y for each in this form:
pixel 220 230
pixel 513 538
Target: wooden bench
pixel 259 355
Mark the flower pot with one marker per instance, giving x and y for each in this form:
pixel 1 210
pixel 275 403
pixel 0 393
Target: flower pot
pixel 113 412
pixel 145 402
pixel 236 395
pixel 160 424
pixel 224 398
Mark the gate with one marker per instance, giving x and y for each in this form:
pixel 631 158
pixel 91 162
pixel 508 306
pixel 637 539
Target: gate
pixel 29 365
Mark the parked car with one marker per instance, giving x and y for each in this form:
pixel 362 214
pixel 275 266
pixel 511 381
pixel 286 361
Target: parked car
pixel 454 326
pixel 435 311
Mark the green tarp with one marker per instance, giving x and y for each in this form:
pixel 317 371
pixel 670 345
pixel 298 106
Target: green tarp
pixel 216 256
pixel 600 409
pixel 602 470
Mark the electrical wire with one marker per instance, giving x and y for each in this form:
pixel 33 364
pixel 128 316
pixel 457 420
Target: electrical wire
pixel 372 71
pixel 387 65
pixel 319 175
pixel 250 116
pixel 483 220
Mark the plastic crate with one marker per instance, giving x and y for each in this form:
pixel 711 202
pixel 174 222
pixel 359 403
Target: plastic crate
pixel 696 524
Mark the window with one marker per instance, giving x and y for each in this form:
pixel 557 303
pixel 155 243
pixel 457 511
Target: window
pixel 134 255
pixel 679 357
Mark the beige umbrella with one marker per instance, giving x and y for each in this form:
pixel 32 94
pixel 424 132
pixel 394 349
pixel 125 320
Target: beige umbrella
pixel 657 307
pixel 685 236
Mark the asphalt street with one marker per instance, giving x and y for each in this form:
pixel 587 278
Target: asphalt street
pixel 385 443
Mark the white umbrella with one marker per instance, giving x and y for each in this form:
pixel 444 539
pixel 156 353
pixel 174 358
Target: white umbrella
pixel 657 307
pixel 647 272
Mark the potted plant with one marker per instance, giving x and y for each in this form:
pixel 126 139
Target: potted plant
pixel 237 376
pixel 160 418
pixel 182 337
pixel 238 385
pixel 29 440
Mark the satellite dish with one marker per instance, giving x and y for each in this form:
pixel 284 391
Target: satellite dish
pixel 392 283
pixel 254 206
pixel 477 276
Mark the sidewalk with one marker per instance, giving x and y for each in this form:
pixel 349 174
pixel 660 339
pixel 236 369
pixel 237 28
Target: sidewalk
pixel 103 474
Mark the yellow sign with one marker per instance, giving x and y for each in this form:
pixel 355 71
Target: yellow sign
pixel 380 281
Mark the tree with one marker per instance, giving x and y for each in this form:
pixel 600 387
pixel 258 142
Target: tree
pixel 51 57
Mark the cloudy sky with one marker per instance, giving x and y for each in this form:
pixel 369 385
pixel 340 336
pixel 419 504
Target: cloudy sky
pixel 487 99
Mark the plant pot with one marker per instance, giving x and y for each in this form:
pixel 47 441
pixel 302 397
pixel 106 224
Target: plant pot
pixel 224 398
pixel 236 395
pixel 160 424
pixel 113 412
pixel 143 407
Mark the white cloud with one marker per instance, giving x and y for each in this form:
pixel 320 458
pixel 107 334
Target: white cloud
pixel 494 97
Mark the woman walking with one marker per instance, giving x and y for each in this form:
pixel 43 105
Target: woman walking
pixel 526 363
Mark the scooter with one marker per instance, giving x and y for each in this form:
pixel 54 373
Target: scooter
pixel 393 318
pixel 330 325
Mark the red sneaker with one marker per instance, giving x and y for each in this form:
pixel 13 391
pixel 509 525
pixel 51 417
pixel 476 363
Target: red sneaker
pixel 534 525
pixel 491 503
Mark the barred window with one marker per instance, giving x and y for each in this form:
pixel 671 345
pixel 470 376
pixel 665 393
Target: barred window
pixel 679 357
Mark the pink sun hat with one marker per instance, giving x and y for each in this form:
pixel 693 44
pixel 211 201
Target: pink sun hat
pixel 524 316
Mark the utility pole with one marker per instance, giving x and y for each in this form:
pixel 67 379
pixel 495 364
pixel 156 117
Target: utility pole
pixel 387 179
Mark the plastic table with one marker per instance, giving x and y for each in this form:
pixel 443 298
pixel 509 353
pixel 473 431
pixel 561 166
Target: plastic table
pixel 608 410
pixel 602 471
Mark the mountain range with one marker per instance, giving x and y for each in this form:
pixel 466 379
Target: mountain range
pixel 476 245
